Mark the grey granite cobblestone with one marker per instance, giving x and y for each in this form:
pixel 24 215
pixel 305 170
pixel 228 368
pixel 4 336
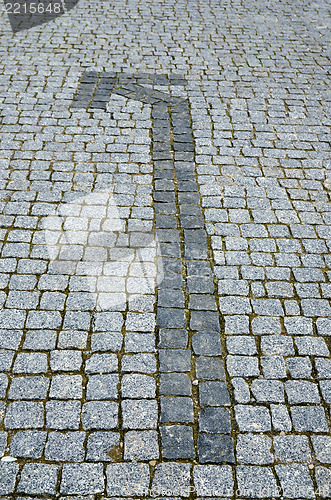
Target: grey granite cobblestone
pixel 208 125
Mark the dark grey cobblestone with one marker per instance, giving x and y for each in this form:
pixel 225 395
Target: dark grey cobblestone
pixel 177 442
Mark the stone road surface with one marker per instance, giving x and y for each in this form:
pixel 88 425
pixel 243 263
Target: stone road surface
pixel 165 317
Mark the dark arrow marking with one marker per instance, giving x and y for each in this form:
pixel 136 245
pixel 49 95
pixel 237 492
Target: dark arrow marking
pixel 26 14
pixel 186 269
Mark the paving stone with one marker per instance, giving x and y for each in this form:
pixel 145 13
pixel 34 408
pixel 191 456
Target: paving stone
pixel 171 479
pixel 43 319
pixel 141 445
pixel 172 338
pixel 98 363
pixel 8 472
pixel 281 420
pixel 232 287
pixel 174 384
pixel 315 307
pixel 102 387
pixel 235 305
pixel 175 360
pixel 139 342
pixel 106 341
pixel 38 479
pixel 277 344
pixel 141 303
pixel 301 391
pixel 28 444
pixel 256 482
pixel 140 322
pixel 215 420
pixel 30 363
pixel 201 284
pixel 312 346
pixel 70 339
pixel 215 448
pixel 325 386
pixel 241 345
pixel 214 394
pixel 66 387
pixel 206 344
pixel 24 415
pixel 65 447
pixel 299 367
pixel 108 321
pixel 176 409
pixel 28 388
pixel 202 302
pixel 197 267
pixel 299 326
pixel 241 390
pixel 323 367
pixel 82 479
pixel 171 298
pixel 309 419
pixel 127 479
pixel 3 442
pixel 322 448
pixel 77 320
pixel 170 318
pixel 44 340
pixel 205 321
pixel 268 391
pixel 138 386
pixel 252 449
pixel 142 363
pixel 10 339
pixel 66 361
pixel 63 415
pixel 267 307
pixel 236 325
pixel 14 318
pixel 208 368
pixel 242 366
pixel 273 367
pixel 323 480
pixel 101 446
pixel 323 326
pixel 295 481
pixel 292 449
pixel 100 415
pixel 252 418
pixel 177 442
pixel 139 414
pixel 266 326
pixel 213 480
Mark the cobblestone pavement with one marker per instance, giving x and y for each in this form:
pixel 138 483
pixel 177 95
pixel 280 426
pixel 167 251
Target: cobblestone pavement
pixel 165 318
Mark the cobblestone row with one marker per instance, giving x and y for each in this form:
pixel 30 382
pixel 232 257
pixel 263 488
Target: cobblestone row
pixel 189 289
